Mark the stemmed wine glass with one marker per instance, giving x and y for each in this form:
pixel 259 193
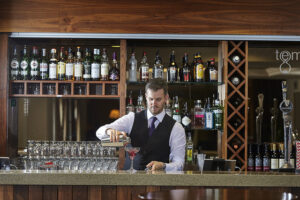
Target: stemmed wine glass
pixel 132 151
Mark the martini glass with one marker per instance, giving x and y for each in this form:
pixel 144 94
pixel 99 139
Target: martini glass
pixel 132 151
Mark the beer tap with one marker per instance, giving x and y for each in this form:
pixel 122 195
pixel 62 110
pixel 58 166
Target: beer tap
pixel 286 107
pixel 274 112
pixel 259 117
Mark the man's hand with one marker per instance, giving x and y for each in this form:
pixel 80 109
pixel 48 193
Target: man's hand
pixel 155 165
pixel 115 134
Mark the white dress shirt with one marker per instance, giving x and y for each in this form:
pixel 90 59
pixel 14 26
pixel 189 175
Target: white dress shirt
pixel 177 138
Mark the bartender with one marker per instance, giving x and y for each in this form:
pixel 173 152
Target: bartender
pixel 161 139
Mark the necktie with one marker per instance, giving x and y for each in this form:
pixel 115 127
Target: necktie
pixel 152 127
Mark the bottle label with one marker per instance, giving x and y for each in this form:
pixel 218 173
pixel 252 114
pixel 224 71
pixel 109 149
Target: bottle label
pixel 186 75
pixel 274 163
pixel 78 70
pixel 113 76
pixel 189 153
pixel 292 162
pixel 87 71
pixel 61 67
pixel 208 120
pixel 266 164
pixel 24 73
pixel 104 69
pixel 33 73
pixel 281 162
pixel 69 69
pixel 177 118
pixel 14 64
pixel 186 121
pixel 52 71
pixel 95 70
pixel 250 164
pixel 199 72
pixel 213 75
pixel 34 64
pixel 258 164
pixel 144 72
pixel 24 64
pixel 14 72
pixel 158 73
pixel 43 67
pixel 172 74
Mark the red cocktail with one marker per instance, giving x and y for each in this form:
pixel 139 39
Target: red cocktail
pixel 132 151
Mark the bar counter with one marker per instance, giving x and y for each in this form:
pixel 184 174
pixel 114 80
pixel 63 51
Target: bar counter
pixel 143 178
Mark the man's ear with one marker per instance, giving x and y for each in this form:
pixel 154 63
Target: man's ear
pixel 167 96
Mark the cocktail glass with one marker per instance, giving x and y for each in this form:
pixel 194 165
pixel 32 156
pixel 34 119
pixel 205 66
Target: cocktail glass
pixel 132 151
pixel 200 159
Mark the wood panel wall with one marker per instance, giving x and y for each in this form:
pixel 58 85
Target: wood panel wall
pixel 3 93
pixel 267 17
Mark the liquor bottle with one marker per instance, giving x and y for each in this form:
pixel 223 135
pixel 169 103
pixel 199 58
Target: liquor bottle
pixel 258 159
pixel 144 69
pixel 87 65
pixel 274 157
pixel 104 66
pixel 70 66
pixel 34 64
pixel 78 66
pixel 281 155
pixel 199 113
pixel 185 119
pixel 132 68
pixel 61 65
pixel 176 111
pixel 206 71
pixel 14 66
pixel 140 103
pixel 218 114
pixel 213 71
pixel 266 158
pixel 189 148
pixel 199 70
pixel 130 106
pixel 180 72
pixel 172 70
pixel 251 158
pixel 95 69
pixel 186 70
pixel 168 108
pixel 44 74
pixel 209 117
pixel 53 65
pixel 193 68
pixel 24 65
pixel 114 74
pixel 158 68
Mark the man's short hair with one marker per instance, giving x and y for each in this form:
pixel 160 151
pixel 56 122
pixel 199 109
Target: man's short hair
pixel 157 84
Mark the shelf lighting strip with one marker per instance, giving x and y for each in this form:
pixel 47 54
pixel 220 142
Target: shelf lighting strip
pixel 156 36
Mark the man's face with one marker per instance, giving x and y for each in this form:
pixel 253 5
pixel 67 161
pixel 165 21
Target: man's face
pixel 156 100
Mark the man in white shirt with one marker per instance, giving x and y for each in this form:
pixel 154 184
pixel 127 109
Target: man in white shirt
pixel 161 139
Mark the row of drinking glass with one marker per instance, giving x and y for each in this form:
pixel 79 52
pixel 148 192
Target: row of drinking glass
pixel 97 164
pixel 68 149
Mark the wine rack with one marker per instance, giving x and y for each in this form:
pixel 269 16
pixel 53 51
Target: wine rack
pixel 236 83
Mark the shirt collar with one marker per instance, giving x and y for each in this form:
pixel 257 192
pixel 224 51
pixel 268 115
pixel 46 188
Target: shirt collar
pixel 159 116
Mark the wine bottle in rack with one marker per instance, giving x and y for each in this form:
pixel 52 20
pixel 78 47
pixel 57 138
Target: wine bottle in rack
pixel 14 66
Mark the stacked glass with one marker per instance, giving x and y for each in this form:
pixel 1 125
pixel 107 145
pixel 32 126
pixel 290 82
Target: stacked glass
pixel 70 155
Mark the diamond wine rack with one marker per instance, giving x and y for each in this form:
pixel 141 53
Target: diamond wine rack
pixel 236 73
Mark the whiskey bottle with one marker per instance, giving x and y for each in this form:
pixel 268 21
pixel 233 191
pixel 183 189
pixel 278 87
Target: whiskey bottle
pixel 199 69
pixel 266 159
pixel 140 103
pixel 70 66
pixel 158 68
pixel 132 68
pixel 78 66
pixel 189 148
pixel 251 158
pixel 61 65
pixel 104 66
pixel 14 66
pixel 24 65
pixel 186 70
pixel 176 111
pixel 172 70
pixel 199 115
pixel 144 69
pixel 114 74
pixel 95 68
pixel 53 65
pixel 209 117
pixel 213 71
pixel 274 157
pixel 44 66
pixel 87 65
pixel 186 119
pixel 130 106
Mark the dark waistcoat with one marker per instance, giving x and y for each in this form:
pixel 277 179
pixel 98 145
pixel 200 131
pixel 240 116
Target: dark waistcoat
pixel 153 148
